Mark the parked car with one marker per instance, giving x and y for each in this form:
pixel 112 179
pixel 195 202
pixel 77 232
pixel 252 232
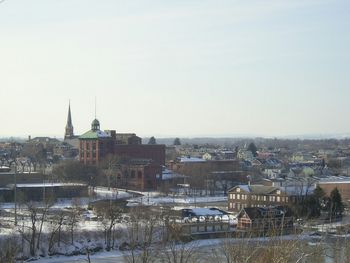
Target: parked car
pixel 89 215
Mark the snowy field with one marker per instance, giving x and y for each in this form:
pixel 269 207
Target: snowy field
pixel 203 248
pixel 89 229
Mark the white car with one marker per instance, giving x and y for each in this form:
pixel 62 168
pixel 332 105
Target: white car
pixel 89 215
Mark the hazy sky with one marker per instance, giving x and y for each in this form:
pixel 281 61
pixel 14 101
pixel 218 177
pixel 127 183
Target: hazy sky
pixel 175 67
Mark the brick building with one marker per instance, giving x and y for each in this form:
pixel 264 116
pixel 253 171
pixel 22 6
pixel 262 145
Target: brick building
pixel 243 196
pixel 138 174
pixel 143 166
pixel 343 185
pixel 265 219
pixel 95 144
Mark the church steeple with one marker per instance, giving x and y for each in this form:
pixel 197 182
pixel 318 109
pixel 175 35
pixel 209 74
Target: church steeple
pixel 69 134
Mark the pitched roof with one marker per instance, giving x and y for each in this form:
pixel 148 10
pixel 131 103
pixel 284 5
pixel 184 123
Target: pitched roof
pixel 263 212
pixel 256 189
pixel 94 135
pixel 262 189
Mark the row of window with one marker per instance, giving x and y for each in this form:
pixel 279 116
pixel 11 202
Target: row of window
pixel 132 175
pixel 237 206
pixel 271 198
pixel 94 154
pixel 88 145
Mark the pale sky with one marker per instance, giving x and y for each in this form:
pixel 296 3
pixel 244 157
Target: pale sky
pixel 175 67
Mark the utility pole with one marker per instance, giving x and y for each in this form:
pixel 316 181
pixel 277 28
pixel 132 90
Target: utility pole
pixel 15 192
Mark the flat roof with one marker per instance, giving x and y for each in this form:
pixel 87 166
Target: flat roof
pixel 46 185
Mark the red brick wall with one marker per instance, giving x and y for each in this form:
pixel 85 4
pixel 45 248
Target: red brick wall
pixel 344 189
pixel 143 151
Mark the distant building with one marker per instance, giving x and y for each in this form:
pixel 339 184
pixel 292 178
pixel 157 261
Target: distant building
pixel 243 196
pixel 228 155
pixel 95 144
pixel 139 175
pixel 265 219
pixel 69 136
pixel 210 156
pixel 342 183
pixel 69 132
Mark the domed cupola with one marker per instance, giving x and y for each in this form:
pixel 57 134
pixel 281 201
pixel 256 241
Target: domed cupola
pixel 95 125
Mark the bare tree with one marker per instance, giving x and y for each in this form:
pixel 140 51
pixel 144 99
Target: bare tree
pixel 73 218
pixel 175 251
pixel 8 249
pixel 55 229
pixel 48 202
pixel 29 232
pixel 275 250
pixel 141 234
pixel 111 214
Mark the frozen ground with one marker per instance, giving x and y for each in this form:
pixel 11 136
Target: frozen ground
pixel 204 247
pixel 92 231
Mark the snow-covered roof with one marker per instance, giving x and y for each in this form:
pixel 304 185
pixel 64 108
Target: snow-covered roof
pixel 191 159
pixel 206 211
pixel 335 180
pixel 46 185
pixel 298 190
pixel 245 187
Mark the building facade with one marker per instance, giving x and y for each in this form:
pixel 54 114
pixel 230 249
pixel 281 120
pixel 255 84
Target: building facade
pixel 95 144
pixel 244 196
pixel 342 184
pixel 266 220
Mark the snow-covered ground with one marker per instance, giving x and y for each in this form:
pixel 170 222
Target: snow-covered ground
pixel 205 247
pixel 157 200
pixel 90 233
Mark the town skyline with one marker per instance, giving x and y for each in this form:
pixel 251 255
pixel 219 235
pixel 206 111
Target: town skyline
pixel 184 69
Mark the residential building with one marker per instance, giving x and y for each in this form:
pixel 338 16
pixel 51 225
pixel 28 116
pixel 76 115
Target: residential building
pixel 243 196
pixel 340 182
pixel 265 219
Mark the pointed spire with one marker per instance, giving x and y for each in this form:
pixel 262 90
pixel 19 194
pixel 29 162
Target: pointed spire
pixel 69 119
pixel 69 126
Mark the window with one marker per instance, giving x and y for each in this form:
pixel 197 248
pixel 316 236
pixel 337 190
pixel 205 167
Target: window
pixel 238 190
pixel 132 175
pixel 238 197
pixel 139 174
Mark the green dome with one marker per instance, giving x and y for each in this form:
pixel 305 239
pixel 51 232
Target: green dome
pixel 95 125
